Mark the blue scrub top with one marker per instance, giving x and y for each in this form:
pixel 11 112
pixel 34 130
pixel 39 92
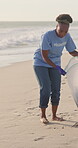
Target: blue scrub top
pixel 50 41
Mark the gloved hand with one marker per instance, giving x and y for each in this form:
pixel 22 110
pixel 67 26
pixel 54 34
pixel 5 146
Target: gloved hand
pixel 62 72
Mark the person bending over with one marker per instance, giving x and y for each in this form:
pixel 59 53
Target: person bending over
pixel 47 64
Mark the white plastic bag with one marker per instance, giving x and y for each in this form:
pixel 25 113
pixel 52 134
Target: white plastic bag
pixel 72 77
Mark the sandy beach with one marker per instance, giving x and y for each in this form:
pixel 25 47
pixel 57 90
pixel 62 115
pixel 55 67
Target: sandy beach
pixel 20 125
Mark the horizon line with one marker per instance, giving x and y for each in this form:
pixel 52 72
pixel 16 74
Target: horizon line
pixel 31 21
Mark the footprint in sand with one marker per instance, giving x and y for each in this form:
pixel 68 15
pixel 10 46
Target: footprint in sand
pixel 40 138
pixel 31 108
pixel 75 125
pixel 63 83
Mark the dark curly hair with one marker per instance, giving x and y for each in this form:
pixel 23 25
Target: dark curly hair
pixel 64 18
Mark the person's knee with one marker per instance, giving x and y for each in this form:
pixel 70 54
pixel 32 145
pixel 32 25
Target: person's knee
pixel 45 89
pixel 45 93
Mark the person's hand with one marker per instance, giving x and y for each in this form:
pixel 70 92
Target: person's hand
pixel 62 72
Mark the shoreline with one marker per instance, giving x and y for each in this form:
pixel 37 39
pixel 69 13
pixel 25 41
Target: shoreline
pixel 64 56
pixel 12 64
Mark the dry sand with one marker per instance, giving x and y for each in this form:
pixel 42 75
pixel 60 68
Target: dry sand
pixel 20 125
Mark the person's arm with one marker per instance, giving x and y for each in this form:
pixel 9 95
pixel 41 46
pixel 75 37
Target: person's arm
pixel 74 53
pixel 46 59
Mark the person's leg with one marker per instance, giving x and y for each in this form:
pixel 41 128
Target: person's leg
pixel 54 111
pixel 43 112
pixel 55 78
pixel 42 74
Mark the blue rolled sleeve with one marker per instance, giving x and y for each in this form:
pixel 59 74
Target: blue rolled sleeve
pixel 70 45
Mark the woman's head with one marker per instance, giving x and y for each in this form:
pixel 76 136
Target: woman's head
pixel 63 24
pixel 64 18
pixel 62 29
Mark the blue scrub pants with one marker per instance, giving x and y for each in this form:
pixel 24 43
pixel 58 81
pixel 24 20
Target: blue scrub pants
pixel 50 82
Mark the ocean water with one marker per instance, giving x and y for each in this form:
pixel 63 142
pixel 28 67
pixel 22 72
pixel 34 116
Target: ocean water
pixel 19 40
